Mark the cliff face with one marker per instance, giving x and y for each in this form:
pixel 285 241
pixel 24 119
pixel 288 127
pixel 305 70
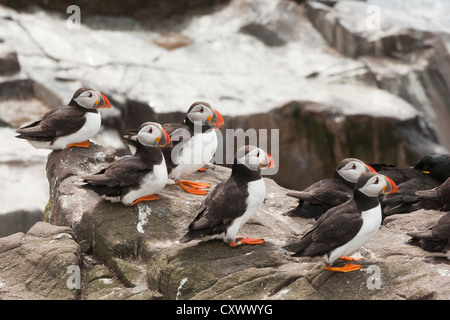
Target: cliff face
pixel 134 253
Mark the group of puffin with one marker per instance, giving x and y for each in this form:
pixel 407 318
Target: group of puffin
pixel 348 209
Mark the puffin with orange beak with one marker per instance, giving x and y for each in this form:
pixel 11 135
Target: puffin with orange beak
pixel 344 229
pixel 194 143
pixel 328 193
pixel 234 201
pixel 68 126
pixel 136 178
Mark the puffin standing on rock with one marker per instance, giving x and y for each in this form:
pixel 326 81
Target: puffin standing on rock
pixel 194 144
pixel 344 229
pixel 328 193
pixel 234 201
pixel 136 178
pixel 68 126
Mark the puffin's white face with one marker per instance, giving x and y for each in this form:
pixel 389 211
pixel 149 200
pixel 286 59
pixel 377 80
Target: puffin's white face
pixel 92 99
pixel 377 184
pixel 353 170
pixel 153 135
pixel 254 158
pixel 200 113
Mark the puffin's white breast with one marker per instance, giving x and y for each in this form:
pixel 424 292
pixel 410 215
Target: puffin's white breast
pixel 371 223
pixel 152 183
pixel 195 153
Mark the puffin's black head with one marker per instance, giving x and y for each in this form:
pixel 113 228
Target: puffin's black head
pixel 253 158
pixel 203 113
pixel 150 134
pixel 373 184
pixel 90 99
pixel 351 169
pixel 437 165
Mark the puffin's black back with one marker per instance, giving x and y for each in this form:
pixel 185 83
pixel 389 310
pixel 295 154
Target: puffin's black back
pixel 225 203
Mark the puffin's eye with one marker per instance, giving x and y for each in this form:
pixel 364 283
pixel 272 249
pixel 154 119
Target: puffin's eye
pixel 376 181
pixel 257 154
pixel 201 110
pixel 150 130
pixel 354 166
pixel 90 95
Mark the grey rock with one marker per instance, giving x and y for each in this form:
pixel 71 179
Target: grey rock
pixel 139 247
pixel 405 53
pixel 33 266
pixel 9 63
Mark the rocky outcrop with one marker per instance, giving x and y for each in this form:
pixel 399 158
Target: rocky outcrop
pixel 405 54
pixel 134 253
pixel 34 265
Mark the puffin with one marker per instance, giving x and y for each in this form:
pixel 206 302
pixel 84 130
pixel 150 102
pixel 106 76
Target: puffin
pixel 434 239
pixel 345 228
pixel 68 126
pixel 428 173
pixel 194 143
pixel 327 193
pixel 233 201
pixel 135 178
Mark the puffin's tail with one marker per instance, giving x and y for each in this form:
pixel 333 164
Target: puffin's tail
pixel 191 235
pixel 299 246
pixel 306 211
pixel 104 190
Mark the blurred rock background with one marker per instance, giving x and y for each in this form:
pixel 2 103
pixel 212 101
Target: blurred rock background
pixel 366 79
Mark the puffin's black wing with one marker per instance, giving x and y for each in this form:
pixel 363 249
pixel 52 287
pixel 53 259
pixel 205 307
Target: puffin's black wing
pixel 333 229
pixel 223 204
pixel 125 172
pixel 319 197
pixel 326 192
pixel 55 123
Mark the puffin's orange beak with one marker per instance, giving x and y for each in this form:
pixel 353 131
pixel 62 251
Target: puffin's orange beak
pixel 269 163
pixel 217 119
pixel 103 103
pixel 391 187
pixel 369 169
pixel 165 139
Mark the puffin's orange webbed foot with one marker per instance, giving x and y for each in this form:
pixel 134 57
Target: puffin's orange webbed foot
pixel 345 258
pixel 193 187
pixel 240 241
pixel 84 144
pixel 195 184
pixel 146 198
pixel 347 268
